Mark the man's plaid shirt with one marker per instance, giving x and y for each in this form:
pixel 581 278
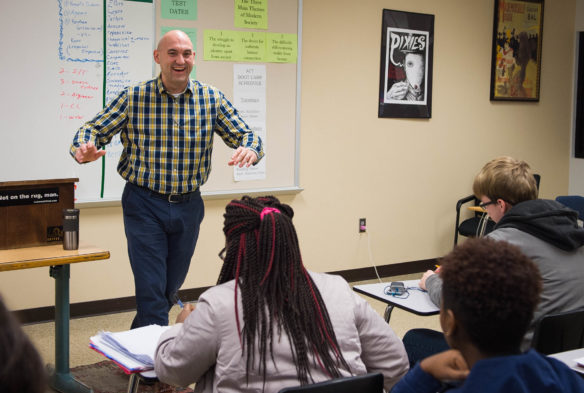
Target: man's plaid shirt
pixel 167 141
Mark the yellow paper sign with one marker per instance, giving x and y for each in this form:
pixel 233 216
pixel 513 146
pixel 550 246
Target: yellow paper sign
pixel 282 48
pixel 221 45
pixel 251 14
pixel 253 46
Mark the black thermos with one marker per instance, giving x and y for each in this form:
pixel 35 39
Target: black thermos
pixel 70 229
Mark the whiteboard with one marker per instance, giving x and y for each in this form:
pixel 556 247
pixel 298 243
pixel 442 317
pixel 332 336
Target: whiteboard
pixel 56 79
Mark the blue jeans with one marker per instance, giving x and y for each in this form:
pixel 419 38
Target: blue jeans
pixel 421 343
pixel 161 242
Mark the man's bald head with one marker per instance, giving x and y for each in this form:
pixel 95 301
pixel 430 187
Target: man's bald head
pixel 173 35
pixel 176 58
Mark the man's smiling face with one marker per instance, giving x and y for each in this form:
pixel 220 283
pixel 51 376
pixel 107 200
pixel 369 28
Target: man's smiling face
pixel 176 58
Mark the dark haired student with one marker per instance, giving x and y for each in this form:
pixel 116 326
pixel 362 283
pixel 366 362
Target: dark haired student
pixel 281 325
pixel 489 292
pixel 21 368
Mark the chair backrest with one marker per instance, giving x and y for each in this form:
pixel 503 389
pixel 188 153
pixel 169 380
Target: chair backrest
pixel 559 332
pixel 366 383
pixel 537 180
pixel 574 202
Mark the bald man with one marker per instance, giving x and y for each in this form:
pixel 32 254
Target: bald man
pixel 166 127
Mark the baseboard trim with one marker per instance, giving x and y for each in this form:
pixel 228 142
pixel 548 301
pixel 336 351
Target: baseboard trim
pixel 396 269
pixel 109 306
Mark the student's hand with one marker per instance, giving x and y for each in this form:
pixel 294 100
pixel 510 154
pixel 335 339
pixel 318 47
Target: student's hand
pixel 88 152
pixel 446 366
pixel 243 156
pixel 185 312
pixel 422 283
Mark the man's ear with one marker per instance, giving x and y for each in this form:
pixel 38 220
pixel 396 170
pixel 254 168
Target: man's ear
pixel 505 206
pixel 156 56
pixel 448 323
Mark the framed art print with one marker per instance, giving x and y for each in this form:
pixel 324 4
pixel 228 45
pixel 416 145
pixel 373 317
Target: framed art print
pixel 405 83
pixel 516 51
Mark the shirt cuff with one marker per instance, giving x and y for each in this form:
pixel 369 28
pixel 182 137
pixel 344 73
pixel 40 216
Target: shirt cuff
pixel 417 380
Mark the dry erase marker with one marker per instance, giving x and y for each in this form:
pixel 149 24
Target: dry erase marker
pixel 437 268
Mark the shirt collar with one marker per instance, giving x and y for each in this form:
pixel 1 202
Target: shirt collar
pixel 162 89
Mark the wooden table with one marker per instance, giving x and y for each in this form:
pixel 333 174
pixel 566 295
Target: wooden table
pixel 58 260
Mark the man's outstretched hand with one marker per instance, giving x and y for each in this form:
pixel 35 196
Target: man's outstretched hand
pixel 243 156
pixel 88 152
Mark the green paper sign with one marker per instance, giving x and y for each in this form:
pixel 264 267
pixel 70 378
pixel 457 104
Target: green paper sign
pixel 179 9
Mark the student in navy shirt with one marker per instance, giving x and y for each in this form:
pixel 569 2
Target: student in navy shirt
pixel 490 290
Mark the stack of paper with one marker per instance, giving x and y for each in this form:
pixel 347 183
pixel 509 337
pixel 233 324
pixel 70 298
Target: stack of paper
pixel 133 350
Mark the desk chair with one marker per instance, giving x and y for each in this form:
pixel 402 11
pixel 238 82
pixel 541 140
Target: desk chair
pixel 559 332
pixel 136 378
pixel 367 383
pixel 471 227
pixel 574 202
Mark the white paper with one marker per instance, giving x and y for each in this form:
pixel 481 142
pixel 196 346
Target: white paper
pixel 249 97
pixel 133 349
pixel 127 362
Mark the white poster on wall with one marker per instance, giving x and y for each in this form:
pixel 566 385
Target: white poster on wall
pixel 249 97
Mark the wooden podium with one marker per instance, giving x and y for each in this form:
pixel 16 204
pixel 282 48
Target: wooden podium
pixel 31 211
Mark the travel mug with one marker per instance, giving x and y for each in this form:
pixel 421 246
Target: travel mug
pixel 70 229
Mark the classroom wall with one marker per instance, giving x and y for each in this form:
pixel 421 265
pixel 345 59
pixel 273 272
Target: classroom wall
pixel 403 175
pixel 576 164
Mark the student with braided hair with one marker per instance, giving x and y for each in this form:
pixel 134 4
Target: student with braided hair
pixel 281 325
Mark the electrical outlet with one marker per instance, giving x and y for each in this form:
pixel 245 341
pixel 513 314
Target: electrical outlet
pixel 362 225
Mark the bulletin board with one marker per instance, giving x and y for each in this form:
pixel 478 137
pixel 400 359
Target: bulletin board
pixel 66 66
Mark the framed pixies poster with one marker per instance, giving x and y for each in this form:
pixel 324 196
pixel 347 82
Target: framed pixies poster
pixel 405 83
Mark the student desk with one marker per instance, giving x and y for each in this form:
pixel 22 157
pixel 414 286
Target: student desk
pixel 58 260
pixel 418 302
pixel 569 358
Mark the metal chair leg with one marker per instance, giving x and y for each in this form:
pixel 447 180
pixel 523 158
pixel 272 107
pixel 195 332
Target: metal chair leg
pixel 134 383
pixel 387 313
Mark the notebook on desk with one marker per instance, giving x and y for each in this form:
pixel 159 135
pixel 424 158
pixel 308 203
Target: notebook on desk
pixel 132 350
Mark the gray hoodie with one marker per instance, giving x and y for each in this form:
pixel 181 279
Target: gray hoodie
pixel 548 233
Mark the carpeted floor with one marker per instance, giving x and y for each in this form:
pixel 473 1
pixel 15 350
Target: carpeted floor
pixel 106 377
